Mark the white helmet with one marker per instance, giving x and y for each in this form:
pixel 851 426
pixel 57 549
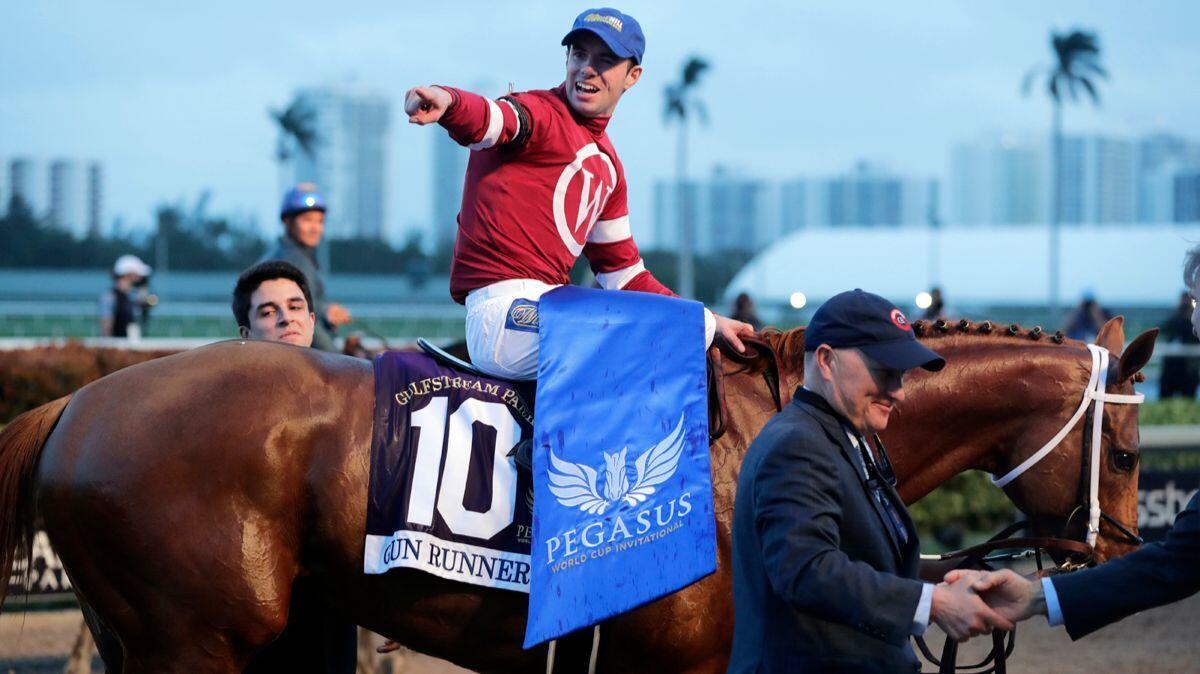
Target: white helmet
pixel 131 264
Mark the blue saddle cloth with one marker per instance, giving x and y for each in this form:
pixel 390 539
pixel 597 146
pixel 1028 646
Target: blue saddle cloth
pixel 623 509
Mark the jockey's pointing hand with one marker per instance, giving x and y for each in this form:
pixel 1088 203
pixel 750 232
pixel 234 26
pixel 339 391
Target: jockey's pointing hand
pixel 733 331
pixel 426 105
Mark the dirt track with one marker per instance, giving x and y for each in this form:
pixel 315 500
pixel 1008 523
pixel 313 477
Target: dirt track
pixel 1160 641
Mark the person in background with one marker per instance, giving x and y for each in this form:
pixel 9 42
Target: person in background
pixel 937 305
pixel 744 311
pixel 303 216
pixel 271 302
pixel 1087 318
pixel 1180 374
pixel 121 305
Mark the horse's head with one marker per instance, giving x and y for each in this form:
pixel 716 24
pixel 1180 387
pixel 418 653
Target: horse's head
pixel 1055 492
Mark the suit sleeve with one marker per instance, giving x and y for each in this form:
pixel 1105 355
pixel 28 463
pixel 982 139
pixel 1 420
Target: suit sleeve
pixel 1156 574
pixel 611 252
pixel 798 515
pixel 481 123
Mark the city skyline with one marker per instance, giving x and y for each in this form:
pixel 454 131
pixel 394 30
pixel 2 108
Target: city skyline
pixel 896 85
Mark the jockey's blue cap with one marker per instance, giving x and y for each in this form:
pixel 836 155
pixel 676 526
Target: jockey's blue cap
pixel 620 32
pixel 301 198
pixel 868 322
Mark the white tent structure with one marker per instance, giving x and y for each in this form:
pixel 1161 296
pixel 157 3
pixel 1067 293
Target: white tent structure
pixel 1128 265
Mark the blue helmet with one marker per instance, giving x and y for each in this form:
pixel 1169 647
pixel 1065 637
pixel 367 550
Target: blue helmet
pixel 301 198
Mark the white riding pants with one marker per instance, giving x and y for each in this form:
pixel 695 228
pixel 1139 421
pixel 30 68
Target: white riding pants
pixel 502 329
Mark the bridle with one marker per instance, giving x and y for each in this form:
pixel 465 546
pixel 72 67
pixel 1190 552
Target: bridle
pixel 1091 408
pixel 1095 394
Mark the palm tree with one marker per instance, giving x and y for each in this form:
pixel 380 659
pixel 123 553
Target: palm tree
pixel 1077 57
pixel 296 130
pixel 681 100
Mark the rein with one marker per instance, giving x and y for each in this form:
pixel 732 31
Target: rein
pixel 1078 553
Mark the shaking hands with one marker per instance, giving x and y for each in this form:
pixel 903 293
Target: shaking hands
pixel 1011 595
pixel 960 611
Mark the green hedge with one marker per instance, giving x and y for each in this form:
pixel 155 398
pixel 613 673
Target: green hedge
pixel 1174 411
pixel 971 502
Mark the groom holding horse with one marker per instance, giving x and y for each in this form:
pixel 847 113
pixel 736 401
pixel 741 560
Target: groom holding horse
pixel 825 557
pixel 543 185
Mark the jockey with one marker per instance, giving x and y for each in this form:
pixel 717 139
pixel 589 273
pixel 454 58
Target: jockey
pixel 543 185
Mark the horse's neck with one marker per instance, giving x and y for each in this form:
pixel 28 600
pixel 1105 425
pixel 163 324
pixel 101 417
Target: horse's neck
pixel 994 394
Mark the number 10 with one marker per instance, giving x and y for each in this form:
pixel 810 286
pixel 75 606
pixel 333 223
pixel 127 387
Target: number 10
pixel 431 423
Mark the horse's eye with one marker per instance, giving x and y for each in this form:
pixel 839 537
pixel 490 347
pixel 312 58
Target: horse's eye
pixel 1124 461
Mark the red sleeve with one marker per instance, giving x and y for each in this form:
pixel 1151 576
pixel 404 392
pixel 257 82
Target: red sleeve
pixel 613 255
pixel 480 123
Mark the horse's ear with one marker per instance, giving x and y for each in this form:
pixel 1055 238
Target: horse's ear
pixel 1112 335
pixel 1137 355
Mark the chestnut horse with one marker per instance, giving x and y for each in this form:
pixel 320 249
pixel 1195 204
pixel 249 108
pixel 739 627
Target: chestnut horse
pixel 185 495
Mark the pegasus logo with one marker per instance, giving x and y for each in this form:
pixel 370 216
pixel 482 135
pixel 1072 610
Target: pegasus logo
pixel 575 484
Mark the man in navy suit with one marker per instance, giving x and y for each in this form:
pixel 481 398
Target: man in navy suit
pixel 1154 575
pixel 825 556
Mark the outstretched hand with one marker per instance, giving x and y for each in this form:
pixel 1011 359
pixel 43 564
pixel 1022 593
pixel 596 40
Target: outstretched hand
pixel 961 613
pixel 1011 595
pixel 426 105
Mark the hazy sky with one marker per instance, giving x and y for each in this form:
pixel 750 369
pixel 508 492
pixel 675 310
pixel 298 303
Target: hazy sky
pixel 173 97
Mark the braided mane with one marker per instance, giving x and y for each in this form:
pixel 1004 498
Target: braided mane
pixel 789 344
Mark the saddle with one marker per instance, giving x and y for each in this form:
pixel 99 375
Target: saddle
pixel 757 352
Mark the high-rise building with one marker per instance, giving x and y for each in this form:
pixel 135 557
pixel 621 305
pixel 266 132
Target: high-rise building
pixel 27 180
pixel 866 196
pixel 1161 156
pixel 667 215
pixel 728 211
pixel 75 202
pixel 739 214
pixel 95 199
pixel 1187 195
pixel 998 178
pixel 349 160
pixel 449 169
pixel 1098 180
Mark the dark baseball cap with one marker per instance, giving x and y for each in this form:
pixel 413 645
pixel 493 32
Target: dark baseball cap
pixel 620 32
pixel 870 323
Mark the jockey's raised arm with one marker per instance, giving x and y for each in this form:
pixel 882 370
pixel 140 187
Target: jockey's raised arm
pixel 543 186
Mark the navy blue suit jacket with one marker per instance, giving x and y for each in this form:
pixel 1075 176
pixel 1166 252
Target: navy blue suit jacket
pixel 1156 574
pixel 821 580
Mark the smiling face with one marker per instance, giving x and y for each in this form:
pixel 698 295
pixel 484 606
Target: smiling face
pixel 279 313
pixel 862 390
pixel 596 77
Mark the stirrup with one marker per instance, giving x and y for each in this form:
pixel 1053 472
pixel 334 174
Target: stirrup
pixel 522 454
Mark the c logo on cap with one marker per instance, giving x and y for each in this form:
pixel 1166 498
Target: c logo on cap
pixel 899 320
